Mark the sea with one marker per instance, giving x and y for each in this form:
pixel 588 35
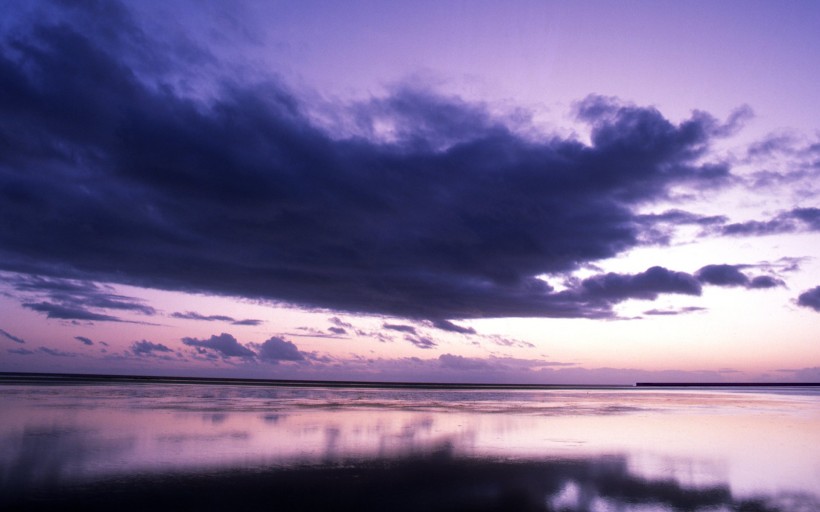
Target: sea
pixel 68 443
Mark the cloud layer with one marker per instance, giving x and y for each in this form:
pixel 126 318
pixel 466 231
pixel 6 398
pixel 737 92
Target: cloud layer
pixel 107 172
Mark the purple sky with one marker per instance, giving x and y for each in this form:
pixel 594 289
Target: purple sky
pixel 541 192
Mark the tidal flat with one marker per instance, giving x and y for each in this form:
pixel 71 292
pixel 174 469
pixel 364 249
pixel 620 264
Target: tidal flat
pixel 216 446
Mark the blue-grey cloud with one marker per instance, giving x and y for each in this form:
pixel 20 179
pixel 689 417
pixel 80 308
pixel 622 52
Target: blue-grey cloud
pixel 247 321
pixel 20 351
pixel 192 315
pixel 84 340
pixel 56 352
pixel 108 173
pixel 400 328
pixel 144 348
pixel 791 221
pixel 337 330
pixel 464 363
pixel 810 299
pixel 672 312
pixel 277 349
pixel 424 342
pixel 63 312
pixel 12 337
pixel 722 275
pixel 645 285
pixel 41 350
pixel 731 275
pixel 224 344
pixel 763 282
pixel 446 325
pixel 70 299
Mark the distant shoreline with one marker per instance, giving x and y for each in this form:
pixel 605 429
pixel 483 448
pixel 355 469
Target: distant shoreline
pixel 65 378
pixel 725 384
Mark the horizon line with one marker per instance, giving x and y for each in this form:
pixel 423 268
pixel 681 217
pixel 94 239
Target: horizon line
pixel 23 377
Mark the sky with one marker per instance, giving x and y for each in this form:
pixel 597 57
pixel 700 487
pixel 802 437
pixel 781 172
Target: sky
pixel 463 191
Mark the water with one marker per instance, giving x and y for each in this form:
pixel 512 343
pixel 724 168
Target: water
pixel 211 447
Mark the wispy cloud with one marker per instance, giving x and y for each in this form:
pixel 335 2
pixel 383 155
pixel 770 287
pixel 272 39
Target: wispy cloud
pixel 192 315
pixel 12 337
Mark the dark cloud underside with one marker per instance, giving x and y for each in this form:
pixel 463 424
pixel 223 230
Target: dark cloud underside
pixel 106 173
pixel 810 299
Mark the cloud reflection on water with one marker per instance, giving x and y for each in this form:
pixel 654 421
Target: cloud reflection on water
pixel 595 450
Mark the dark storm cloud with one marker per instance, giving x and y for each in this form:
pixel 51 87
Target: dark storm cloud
pixel 11 336
pixel 224 344
pixel 810 299
pixel 192 315
pixel 84 340
pixel 143 348
pixel 107 173
pixel 277 349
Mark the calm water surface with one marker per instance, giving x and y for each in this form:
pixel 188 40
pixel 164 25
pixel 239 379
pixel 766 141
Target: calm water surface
pixel 612 449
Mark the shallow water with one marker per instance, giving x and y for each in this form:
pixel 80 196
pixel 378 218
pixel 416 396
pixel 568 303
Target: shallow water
pixel 571 449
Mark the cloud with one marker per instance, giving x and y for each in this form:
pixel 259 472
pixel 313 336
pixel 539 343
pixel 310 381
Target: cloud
pixel 462 363
pixel 144 348
pixel 224 344
pixel 191 315
pixel 55 352
pixel 277 349
pixel 109 172
pixel 423 342
pixel 12 337
pixel 671 312
pixel 646 285
pixel 446 325
pixel 42 350
pixel 722 275
pixel 247 321
pixel 337 330
pixel 810 299
pixel 791 221
pixel 730 275
pixel 400 328
pixel 63 312
pixel 762 282
pixel 84 340
pixel 70 299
